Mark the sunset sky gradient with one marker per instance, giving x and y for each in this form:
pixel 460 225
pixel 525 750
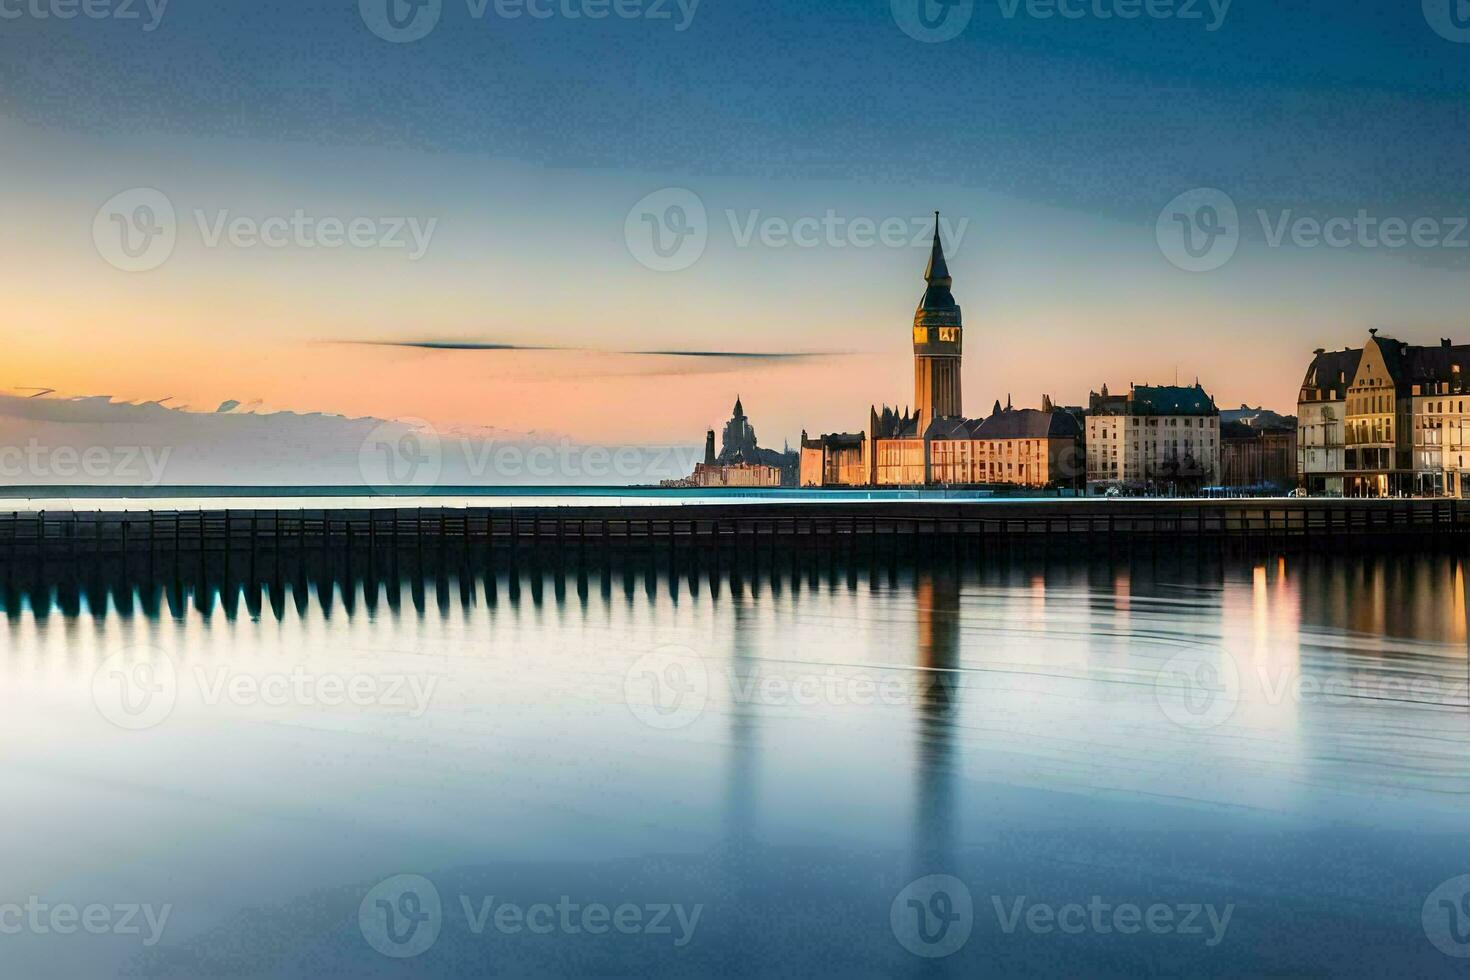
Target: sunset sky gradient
pixel 1054 143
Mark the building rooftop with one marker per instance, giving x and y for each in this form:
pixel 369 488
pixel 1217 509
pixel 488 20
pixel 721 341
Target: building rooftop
pixel 1154 400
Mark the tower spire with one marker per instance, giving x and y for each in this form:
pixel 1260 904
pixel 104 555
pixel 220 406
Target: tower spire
pixel 936 274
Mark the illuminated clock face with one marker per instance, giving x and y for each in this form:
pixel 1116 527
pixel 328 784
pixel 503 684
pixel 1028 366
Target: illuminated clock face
pixel 921 335
pixel 949 335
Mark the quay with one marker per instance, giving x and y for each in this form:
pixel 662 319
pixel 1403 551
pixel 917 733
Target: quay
pixel 158 523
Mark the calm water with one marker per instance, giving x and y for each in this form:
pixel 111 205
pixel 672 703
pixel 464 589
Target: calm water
pixel 1187 765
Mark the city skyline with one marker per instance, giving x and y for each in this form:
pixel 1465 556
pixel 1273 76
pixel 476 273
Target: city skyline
pixel 511 241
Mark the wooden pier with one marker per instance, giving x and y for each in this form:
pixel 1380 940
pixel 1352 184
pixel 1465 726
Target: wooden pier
pixel 216 526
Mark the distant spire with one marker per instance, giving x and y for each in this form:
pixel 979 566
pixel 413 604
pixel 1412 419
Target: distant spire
pixel 1008 401
pixel 739 411
pixel 996 409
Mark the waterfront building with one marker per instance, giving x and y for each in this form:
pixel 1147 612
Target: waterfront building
pixel 1022 447
pixel 837 459
pixel 1321 412
pixel 1405 422
pixel 1258 450
pixel 896 457
pixel 1154 438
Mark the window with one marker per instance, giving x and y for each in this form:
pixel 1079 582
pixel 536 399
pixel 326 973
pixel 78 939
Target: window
pixel 949 335
pixel 921 335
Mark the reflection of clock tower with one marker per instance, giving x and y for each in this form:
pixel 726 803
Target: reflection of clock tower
pixel 937 343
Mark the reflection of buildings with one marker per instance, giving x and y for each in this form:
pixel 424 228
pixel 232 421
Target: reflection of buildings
pixel 1386 420
pixel 742 462
pixel 1165 437
pixel 934 443
pixel 937 659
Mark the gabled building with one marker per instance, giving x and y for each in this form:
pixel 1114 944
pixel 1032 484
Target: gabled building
pixel 1405 421
pixel 1321 412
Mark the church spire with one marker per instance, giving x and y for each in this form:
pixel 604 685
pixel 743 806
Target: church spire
pixel 938 268
pixel 937 296
pixel 739 410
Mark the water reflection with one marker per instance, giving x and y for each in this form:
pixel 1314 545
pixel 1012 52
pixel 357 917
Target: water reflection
pixel 1018 721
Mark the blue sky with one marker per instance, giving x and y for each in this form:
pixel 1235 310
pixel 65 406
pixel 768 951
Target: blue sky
pixel 1056 141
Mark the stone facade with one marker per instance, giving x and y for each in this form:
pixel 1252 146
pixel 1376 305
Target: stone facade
pixel 1153 439
pixel 1406 429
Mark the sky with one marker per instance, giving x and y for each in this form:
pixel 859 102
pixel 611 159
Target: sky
pixel 503 216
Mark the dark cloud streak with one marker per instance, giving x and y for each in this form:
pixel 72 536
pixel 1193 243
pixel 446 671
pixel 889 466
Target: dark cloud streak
pixel 457 345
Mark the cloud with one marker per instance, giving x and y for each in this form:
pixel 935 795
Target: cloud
pixel 471 345
pixel 97 441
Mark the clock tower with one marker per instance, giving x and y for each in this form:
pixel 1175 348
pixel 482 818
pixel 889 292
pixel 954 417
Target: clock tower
pixel 938 339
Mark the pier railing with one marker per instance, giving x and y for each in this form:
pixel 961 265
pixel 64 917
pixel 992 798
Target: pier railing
pixel 218 527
